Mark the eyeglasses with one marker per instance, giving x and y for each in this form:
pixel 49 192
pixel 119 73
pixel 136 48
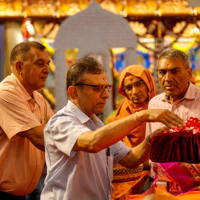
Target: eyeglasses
pixel 99 88
pixel 137 84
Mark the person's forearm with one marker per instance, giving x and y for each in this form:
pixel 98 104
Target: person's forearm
pixel 94 141
pixel 140 153
pixel 137 155
pixel 35 136
pixel 113 132
pixel 116 130
pixel 103 137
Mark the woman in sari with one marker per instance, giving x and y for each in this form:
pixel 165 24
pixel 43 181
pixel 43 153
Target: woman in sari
pixel 138 86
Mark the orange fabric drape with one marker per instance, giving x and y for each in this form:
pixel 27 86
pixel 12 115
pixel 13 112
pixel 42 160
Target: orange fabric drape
pixel 136 136
pixel 127 107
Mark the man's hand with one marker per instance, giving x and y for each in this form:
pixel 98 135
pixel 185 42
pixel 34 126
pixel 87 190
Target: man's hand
pixel 161 115
pixel 156 132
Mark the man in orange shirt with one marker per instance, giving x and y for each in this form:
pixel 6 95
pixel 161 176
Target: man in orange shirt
pixel 24 113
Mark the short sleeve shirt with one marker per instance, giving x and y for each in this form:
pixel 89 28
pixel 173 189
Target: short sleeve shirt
pixel 21 163
pixel 73 175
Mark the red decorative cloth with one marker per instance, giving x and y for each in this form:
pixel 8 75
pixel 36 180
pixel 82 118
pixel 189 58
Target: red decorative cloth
pixel 180 144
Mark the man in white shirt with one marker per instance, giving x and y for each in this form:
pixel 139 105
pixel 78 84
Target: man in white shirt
pixel 80 151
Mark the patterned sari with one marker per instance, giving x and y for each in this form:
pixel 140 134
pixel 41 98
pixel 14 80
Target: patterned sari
pixel 184 187
pixel 187 178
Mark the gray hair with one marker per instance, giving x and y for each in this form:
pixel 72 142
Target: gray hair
pixel 82 66
pixel 22 49
pixel 175 53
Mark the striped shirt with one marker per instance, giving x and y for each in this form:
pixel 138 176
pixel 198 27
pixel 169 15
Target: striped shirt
pixel 188 106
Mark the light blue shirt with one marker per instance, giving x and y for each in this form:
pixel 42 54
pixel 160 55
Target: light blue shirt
pixel 77 175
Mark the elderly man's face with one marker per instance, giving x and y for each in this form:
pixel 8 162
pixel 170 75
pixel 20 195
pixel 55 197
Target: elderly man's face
pixel 90 99
pixel 135 89
pixel 173 77
pixel 35 70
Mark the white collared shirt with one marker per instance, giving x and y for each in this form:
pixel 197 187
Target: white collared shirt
pixel 73 175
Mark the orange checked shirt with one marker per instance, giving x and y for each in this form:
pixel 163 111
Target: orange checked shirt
pixel 21 163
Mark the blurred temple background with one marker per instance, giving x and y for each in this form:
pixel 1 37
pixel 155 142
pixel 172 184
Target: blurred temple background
pixel 116 32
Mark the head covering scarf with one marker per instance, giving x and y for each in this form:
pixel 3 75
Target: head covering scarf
pixel 140 72
pixel 127 107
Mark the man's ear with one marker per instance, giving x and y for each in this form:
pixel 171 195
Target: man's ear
pixel 73 92
pixel 18 66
